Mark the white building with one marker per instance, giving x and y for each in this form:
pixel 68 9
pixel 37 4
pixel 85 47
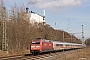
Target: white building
pixel 33 17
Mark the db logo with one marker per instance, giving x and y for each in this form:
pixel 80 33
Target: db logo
pixel 82 59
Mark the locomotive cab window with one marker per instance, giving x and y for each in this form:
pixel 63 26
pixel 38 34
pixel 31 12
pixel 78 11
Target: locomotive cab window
pixel 35 42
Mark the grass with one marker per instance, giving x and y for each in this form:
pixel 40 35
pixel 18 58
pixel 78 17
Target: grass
pixel 83 54
pixel 13 52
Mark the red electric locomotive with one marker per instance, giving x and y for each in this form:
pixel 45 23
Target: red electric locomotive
pixel 39 45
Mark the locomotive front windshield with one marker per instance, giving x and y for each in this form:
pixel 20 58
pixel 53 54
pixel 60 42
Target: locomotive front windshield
pixel 38 38
pixel 35 42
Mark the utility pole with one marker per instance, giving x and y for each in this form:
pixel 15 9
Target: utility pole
pixel 51 33
pixel 63 40
pixel 82 36
pixel 43 17
pixel 3 9
pixel 63 36
pixel 71 37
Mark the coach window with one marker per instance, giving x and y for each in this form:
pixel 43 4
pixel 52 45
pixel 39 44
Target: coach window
pixel 57 44
pixel 61 44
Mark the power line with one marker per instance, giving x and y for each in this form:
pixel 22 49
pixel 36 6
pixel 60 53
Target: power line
pixel 8 5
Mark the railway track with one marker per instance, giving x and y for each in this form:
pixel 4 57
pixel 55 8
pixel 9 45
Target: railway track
pixel 47 56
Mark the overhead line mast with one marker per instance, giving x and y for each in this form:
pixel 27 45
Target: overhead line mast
pixel 3 10
pixel 82 36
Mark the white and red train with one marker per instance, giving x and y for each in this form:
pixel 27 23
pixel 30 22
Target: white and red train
pixel 41 45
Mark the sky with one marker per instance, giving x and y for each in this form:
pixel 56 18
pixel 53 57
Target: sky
pixel 67 15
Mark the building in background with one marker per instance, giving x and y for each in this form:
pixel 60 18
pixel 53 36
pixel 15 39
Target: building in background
pixel 34 17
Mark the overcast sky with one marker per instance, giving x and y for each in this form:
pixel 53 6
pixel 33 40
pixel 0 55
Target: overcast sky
pixel 68 15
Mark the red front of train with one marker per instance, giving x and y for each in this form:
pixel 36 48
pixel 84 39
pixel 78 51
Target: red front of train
pixel 39 45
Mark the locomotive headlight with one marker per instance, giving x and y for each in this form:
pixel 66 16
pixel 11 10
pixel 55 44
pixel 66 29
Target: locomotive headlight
pixel 37 46
pixel 32 46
